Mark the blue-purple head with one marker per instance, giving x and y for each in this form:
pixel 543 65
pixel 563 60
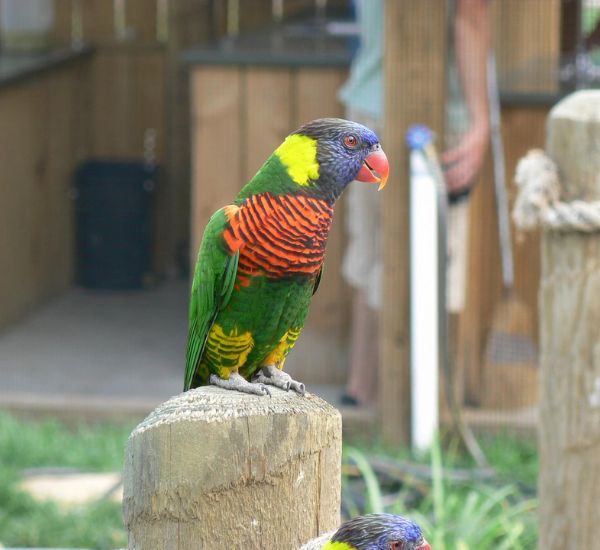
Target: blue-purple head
pixel 381 532
pixel 345 151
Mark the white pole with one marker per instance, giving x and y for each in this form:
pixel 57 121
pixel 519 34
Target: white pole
pixel 425 297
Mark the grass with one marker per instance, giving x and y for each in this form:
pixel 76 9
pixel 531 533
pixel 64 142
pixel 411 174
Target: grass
pixel 496 513
pixel 50 443
pixel 492 514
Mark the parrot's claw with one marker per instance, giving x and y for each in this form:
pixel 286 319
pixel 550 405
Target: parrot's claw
pixel 272 376
pixel 237 382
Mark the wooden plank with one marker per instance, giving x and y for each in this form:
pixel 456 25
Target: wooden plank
pixel 54 241
pixel 19 153
pixel 268 115
pixel 98 21
pixel 39 152
pixel 141 19
pixel 570 29
pixel 112 105
pixel 61 29
pixel 483 283
pixel 569 428
pixel 317 91
pixel 523 128
pixel 217 139
pixel 527 44
pixel 129 97
pixel 254 13
pixel 189 24
pixel 414 73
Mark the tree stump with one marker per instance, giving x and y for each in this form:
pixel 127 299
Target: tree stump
pixel 569 485
pixel 215 469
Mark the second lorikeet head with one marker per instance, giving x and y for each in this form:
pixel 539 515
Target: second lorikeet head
pixel 379 532
pixel 329 153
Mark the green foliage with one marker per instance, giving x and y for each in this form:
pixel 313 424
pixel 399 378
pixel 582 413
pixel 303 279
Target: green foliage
pixel 471 515
pixel 50 443
pixel 514 458
pixel 455 516
pixel 374 504
pixel 25 522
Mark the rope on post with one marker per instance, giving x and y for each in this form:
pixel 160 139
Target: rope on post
pixel 538 201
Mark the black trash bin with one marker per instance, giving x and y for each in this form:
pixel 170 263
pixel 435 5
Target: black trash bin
pixel 114 223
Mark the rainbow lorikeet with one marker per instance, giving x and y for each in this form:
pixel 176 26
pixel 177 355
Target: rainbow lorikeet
pixel 261 257
pixel 373 532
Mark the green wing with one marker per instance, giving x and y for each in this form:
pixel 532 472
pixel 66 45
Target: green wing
pixel 212 286
pixel 318 280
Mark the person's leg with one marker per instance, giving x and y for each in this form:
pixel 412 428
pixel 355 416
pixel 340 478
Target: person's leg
pixel 364 351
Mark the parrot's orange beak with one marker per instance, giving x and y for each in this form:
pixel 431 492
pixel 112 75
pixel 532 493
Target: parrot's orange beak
pixel 424 546
pixel 375 169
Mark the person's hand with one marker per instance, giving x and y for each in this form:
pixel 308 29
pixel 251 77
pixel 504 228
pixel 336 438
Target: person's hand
pixel 464 162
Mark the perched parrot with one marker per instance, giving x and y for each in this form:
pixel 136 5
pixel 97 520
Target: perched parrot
pixel 261 257
pixel 373 532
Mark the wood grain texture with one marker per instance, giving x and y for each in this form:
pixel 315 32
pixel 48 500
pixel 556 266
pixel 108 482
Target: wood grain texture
pixel 215 469
pixel 61 29
pixel 523 128
pixel 569 484
pixel 267 109
pixel 141 17
pixel 189 24
pixel 527 44
pixel 44 141
pixel 217 138
pixel 98 21
pixel 129 97
pixel 414 73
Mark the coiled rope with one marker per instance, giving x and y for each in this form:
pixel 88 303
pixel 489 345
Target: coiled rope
pixel 538 201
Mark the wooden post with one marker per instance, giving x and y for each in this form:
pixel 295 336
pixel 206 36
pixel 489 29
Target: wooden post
pixel 415 90
pixel 212 469
pixel 570 340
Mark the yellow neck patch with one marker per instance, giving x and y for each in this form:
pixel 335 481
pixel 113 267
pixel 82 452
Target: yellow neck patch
pixel 337 546
pixel 299 155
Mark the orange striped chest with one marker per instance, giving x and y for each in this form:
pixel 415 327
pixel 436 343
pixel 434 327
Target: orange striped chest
pixel 279 236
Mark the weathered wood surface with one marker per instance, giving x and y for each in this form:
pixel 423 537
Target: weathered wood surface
pixel 217 469
pixel 414 75
pixel 523 128
pixel 527 44
pixel 570 341
pixel 46 134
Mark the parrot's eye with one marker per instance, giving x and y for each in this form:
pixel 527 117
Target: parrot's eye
pixel 395 545
pixel 350 141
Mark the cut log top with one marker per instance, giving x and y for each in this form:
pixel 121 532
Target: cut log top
pixel 212 404
pixel 573 143
pixel 212 468
pixel 581 105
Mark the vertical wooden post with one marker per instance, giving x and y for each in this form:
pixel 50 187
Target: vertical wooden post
pixel 415 86
pixel 215 469
pixel 570 340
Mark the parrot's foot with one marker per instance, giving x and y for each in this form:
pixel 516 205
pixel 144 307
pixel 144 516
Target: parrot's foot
pixel 272 376
pixel 237 382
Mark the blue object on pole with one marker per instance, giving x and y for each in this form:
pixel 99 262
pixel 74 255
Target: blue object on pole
pixel 418 136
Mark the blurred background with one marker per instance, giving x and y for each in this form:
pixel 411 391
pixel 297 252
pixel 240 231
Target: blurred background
pixel 126 123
